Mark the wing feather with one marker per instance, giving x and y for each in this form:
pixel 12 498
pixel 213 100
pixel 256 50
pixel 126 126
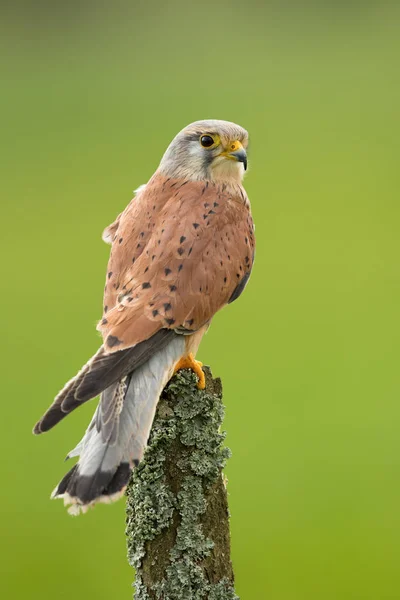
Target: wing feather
pixel 181 251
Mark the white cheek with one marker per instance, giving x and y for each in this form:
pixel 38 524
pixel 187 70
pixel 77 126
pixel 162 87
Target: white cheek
pixel 196 154
pixel 195 149
pixel 193 164
pixel 227 169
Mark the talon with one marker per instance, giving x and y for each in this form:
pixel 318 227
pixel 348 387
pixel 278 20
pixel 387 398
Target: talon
pixel 189 362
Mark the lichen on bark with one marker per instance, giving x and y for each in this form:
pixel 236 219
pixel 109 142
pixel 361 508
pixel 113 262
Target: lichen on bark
pixel 177 510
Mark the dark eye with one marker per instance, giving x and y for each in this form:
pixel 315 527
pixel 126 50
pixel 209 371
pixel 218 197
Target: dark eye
pixel 206 141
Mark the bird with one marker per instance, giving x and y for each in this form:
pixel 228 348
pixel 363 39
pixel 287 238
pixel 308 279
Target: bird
pixel 181 250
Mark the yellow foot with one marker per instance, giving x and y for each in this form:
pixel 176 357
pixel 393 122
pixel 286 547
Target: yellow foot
pixel 189 362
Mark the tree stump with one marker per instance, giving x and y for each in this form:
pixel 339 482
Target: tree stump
pixel 177 509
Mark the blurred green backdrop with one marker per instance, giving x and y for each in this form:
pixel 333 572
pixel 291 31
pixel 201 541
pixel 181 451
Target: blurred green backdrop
pixel 91 95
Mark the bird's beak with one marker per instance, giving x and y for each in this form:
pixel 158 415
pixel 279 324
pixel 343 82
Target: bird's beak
pixel 236 152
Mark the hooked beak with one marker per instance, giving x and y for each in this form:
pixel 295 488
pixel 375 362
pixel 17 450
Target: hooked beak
pixel 236 152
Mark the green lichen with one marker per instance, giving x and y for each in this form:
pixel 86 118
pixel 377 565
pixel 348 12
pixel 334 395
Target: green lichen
pixel 177 517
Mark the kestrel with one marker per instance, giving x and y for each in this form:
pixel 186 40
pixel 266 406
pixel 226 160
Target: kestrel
pixel 181 250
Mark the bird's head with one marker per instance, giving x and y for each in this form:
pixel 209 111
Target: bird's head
pixel 207 150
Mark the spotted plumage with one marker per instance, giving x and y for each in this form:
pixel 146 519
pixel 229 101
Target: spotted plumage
pixel 181 250
pixel 194 271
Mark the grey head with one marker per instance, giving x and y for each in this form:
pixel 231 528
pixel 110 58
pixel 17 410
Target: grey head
pixel 207 150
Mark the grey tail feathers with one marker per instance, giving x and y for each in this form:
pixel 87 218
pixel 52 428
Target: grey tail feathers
pixel 102 371
pixel 117 435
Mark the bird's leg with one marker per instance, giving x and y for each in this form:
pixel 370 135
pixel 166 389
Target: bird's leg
pixel 189 362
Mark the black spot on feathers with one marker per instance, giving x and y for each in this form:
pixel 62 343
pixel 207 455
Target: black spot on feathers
pixel 113 341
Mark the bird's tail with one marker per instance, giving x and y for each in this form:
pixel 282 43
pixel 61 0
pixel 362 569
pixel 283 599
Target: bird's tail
pixel 117 435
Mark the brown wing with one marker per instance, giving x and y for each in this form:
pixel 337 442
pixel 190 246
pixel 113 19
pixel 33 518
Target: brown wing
pixel 180 252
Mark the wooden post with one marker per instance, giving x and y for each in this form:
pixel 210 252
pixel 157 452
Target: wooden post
pixel 177 510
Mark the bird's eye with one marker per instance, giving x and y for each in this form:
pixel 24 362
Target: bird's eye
pixel 206 141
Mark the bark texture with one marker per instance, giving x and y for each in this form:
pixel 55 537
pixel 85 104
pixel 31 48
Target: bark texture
pixel 177 509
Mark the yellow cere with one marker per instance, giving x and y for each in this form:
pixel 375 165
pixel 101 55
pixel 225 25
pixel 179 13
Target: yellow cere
pixel 232 147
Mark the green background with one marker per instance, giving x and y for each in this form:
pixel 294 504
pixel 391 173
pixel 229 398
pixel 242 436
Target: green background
pixel 91 94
